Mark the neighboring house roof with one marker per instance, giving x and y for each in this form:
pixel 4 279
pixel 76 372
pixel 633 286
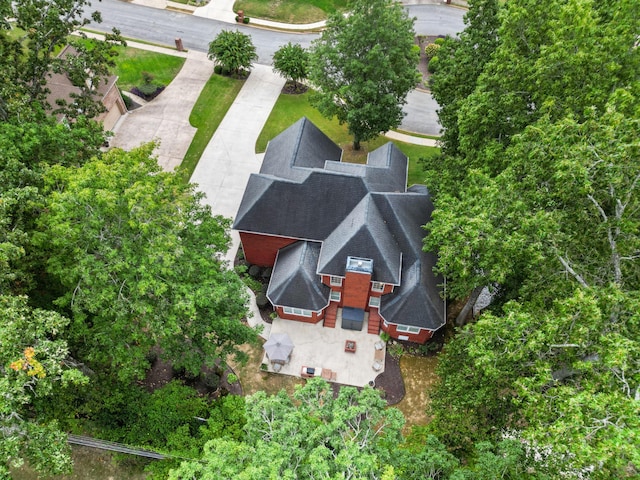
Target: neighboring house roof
pixel 339 210
pixel 61 87
pixel 294 281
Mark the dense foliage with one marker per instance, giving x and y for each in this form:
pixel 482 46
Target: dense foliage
pixel 102 257
pixel 364 65
pixel 537 197
pixel 292 62
pixel 233 51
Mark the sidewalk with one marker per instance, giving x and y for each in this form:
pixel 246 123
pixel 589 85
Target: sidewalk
pixel 222 10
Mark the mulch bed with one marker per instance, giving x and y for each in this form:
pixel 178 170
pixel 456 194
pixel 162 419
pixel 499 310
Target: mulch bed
pixel 422 41
pixel 390 381
pixel 291 88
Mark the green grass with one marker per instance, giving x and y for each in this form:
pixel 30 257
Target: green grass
pixel 131 62
pixel 290 108
pixel 290 11
pixel 217 96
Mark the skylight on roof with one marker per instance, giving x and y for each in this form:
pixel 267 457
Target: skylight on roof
pixel 357 264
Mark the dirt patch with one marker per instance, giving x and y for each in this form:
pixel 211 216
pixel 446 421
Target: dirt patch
pixel 212 381
pixel 253 379
pixel 419 379
pixel 94 464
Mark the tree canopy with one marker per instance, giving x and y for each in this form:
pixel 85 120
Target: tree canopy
pixel 138 254
pixel 33 358
pixel 537 196
pixel 30 57
pixel 311 435
pixel 364 65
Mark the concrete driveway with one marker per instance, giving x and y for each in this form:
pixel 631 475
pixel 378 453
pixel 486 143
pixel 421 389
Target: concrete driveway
pixel 166 118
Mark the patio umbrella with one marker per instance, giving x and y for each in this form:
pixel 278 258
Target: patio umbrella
pixel 278 347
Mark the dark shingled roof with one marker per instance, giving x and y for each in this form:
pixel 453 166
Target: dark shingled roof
pixel 386 169
pixel 308 210
pixel 294 282
pixel 298 149
pixel 343 210
pixel 365 232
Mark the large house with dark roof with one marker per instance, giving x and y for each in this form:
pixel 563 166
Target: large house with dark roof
pixel 342 238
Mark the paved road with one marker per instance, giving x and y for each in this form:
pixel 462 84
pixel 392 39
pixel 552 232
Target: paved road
pixel 164 26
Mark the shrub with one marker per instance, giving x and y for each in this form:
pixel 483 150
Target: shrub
pixel 431 50
pixel 211 380
pixel 439 40
pixel 148 92
pixel 261 300
pixel 254 271
pixel 233 50
pixel 246 20
pixel 127 101
pixel 217 69
pixel 385 337
pixel 232 378
pixel 433 65
pixel 165 410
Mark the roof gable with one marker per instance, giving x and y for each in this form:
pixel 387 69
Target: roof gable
pixel 362 233
pixel 308 210
pixel 297 150
pixel 386 169
pixel 294 281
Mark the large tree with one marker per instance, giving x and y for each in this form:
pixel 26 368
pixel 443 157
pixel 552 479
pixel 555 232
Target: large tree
pixel 543 206
pixel 139 255
pixel 312 435
pixel 460 63
pixel 364 65
pixel 503 196
pixel 33 359
pixel 28 60
pixel 27 149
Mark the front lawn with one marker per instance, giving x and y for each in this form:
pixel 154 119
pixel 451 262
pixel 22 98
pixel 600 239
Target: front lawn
pixel 290 108
pixel 131 62
pixel 215 99
pixel 290 11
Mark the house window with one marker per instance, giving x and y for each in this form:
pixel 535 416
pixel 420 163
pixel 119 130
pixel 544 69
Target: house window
pixel 374 301
pixel 337 281
pixel 297 311
pixel 377 286
pixel 408 329
pixel 335 296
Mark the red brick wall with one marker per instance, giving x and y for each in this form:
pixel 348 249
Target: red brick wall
pixel 355 291
pixel 421 337
pixel 315 318
pixel 262 249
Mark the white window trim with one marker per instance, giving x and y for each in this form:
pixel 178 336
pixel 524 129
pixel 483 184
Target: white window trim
pixel 408 329
pixel 335 281
pixel 297 311
pixel 374 302
pixel 377 286
pixel 333 294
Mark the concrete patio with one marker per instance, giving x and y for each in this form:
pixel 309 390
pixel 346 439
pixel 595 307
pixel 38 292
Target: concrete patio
pixel 324 350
